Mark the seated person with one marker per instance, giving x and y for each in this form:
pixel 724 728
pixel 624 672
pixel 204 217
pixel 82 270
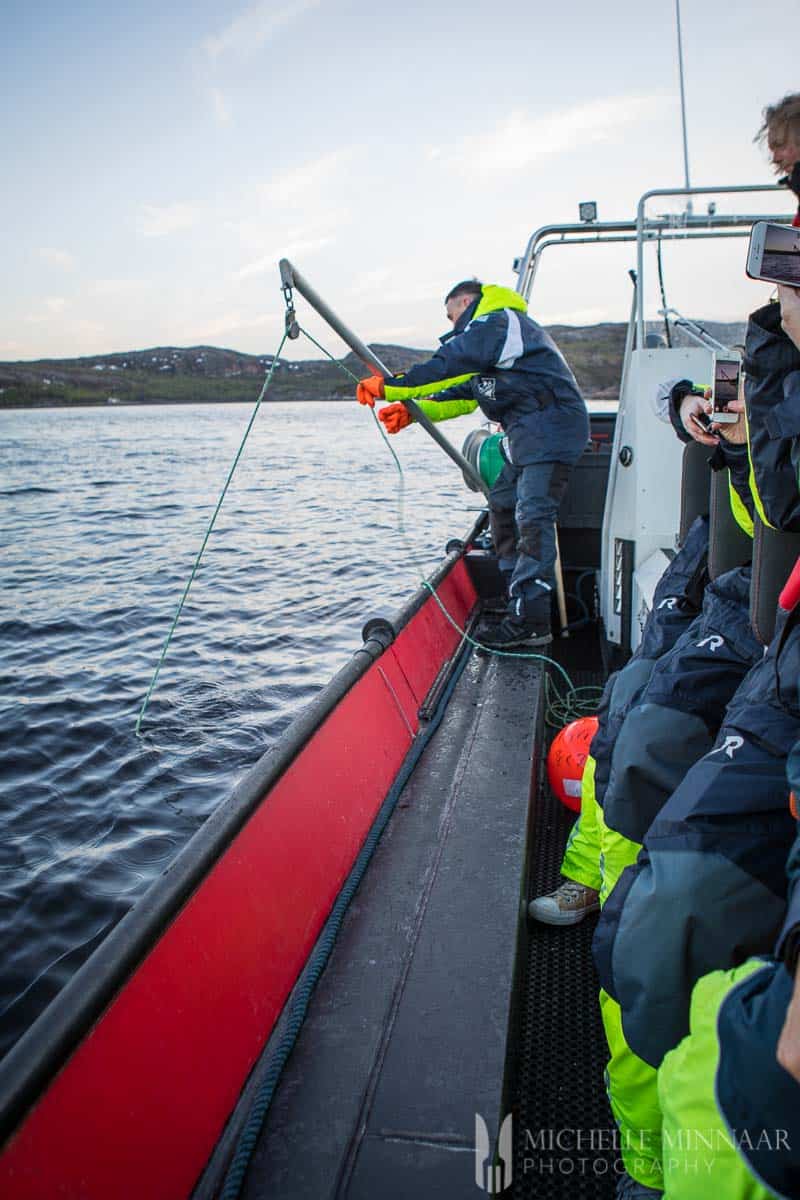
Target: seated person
pixel 708 887
pixel 730 1091
pixel 676 604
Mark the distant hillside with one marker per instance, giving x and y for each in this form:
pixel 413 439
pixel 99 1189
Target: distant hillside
pixel 208 374
pixel 168 374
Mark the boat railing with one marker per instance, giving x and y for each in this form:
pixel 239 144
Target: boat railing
pixel 708 225
pixel 663 227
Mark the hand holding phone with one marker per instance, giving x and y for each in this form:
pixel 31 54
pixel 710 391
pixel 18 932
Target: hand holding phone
pixel 725 388
pixel 694 418
pixel 774 253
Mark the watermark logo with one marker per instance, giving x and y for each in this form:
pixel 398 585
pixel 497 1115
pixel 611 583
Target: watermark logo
pixel 603 1153
pixel 494 1173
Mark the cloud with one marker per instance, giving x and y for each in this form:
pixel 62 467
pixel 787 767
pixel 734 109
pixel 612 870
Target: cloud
pixel 522 138
pixel 52 306
pixel 254 27
pixel 401 333
pixel 370 283
pixel 157 221
pixel 56 258
pixel 116 287
pixel 306 181
pixel 221 106
pixel 269 262
pixel 226 323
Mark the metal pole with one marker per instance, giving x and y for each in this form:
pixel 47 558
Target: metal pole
pixel 683 102
pixel 560 594
pixel 291 277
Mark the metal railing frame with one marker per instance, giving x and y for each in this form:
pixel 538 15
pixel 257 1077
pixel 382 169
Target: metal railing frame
pixel 679 226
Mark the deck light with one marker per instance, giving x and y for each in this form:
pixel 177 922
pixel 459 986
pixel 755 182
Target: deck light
pixel 587 210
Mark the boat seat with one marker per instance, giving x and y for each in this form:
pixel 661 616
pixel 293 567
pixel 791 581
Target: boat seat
pixel 728 545
pixel 695 487
pixel 774 555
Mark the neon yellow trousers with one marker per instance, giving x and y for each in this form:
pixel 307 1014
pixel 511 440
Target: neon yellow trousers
pixel 699 1158
pixel 581 860
pixel 633 1096
pixel 595 855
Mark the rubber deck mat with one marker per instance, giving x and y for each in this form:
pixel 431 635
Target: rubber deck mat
pixel 564 1134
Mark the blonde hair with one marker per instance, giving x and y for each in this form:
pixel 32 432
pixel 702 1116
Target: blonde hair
pixel 781 120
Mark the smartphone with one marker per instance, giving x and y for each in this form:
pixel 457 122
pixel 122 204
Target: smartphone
pixel 774 253
pixel 725 388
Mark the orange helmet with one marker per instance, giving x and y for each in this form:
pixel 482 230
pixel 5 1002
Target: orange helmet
pixel 566 759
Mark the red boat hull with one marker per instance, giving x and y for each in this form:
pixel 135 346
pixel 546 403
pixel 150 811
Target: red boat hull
pixel 138 1105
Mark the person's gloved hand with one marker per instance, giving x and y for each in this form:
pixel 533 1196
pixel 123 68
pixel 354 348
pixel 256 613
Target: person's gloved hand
pixel 370 390
pixel 395 417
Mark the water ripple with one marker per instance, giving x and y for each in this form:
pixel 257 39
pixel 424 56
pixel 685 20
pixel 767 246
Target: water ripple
pixel 305 549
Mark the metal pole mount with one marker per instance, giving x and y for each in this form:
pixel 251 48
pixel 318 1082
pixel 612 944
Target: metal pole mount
pixel 291 278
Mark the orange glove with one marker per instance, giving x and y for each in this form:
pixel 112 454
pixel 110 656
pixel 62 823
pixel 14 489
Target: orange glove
pixel 370 390
pixel 395 417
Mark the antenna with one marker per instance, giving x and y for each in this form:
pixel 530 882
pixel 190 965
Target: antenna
pixel 683 104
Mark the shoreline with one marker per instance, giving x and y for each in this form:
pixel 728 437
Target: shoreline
pixel 590 398
pixel 172 403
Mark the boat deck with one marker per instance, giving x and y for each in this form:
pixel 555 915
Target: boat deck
pixel 564 1131
pixel 406 1035
pixel 437 1002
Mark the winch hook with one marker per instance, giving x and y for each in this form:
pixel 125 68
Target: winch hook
pixel 291 325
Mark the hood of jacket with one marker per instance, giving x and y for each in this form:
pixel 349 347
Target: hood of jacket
pixel 493 298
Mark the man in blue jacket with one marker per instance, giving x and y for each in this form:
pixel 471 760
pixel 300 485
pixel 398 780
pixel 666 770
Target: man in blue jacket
pixel 500 359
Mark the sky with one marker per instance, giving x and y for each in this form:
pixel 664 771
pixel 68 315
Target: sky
pixel 159 159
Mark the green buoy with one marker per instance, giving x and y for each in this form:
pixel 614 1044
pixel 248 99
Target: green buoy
pixel 481 449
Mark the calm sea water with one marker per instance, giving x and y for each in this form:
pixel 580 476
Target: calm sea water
pixel 103 512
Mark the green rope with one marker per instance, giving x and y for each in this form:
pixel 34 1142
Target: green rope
pixel 196 566
pixel 560 708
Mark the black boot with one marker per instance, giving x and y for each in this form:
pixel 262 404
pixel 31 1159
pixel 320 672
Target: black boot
pixel 513 631
pixel 523 625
